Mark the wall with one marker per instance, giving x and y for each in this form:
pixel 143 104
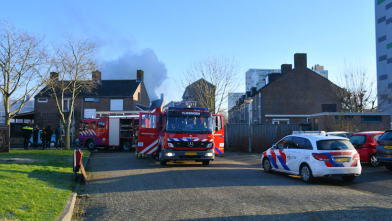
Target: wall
pixel 263 136
pixel 327 122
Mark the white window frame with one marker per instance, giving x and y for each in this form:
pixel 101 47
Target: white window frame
pixel 277 121
pixel 68 104
pixel 42 100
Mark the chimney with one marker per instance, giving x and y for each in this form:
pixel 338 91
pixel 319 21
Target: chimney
pixel 54 76
pixel 285 68
pixel 96 76
pixel 300 60
pixel 140 75
pixel 162 96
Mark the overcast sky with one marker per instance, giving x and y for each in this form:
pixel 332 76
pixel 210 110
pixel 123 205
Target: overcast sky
pixel 163 37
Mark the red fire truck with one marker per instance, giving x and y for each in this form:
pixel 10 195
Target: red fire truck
pixel 181 134
pixel 114 131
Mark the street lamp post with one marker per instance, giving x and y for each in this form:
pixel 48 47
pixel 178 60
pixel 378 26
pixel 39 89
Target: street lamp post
pixel 249 101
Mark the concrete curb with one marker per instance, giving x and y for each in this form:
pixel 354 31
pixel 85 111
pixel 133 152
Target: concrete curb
pixel 66 215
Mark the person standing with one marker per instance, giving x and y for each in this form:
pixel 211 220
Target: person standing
pixel 27 130
pixel 58 132
pixel 48 134
pixel 35 137
pixel 43 138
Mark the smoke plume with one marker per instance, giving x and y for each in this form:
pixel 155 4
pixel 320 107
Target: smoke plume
pixel 125 67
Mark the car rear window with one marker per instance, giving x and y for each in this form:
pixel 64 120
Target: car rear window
pixel 358 139
pixel 386 136
pixel 334 145
pixel 377 136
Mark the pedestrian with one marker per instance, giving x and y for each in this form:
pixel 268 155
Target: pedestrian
pixel 49 134
pixel 35 137
pixel 59 132
pixel 43 138
pixel 27 130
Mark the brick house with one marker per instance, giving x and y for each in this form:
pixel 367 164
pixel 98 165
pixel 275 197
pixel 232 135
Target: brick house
pixel 290 97
pixel 203 92
pixel 108 96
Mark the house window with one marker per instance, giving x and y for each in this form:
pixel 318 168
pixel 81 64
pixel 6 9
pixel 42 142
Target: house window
pixel 42 100
pixel 371 118
pixel 66 104
pixel 328 108
pixel 281 121
pixel 116 105
pixel 91 99
pixel 383 77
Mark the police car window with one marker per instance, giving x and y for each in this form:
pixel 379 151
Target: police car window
pixel 308 145
pixel 334 145
pixel 284 143
pixel 101 124
pixel 298 143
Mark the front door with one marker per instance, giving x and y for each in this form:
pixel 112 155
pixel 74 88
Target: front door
pixel 295 153
pixel 102 128
pixel 219 134
pixel 279 158
pixel 148 133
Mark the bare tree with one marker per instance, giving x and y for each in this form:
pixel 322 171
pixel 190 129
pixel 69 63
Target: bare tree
pixel 359 93
pixel 209 80
pixel 22 62
pixel 73 64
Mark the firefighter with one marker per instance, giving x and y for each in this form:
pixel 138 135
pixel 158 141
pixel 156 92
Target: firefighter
pixel 43 138
pixel 27 131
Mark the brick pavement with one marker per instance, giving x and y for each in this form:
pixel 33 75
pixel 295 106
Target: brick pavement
pixel 233 187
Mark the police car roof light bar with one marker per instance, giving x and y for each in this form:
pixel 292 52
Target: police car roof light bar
pixel 314 133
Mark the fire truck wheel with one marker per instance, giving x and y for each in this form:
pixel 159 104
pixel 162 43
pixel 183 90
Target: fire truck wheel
pixel 126 146
pixel 90 145
pixel 206 162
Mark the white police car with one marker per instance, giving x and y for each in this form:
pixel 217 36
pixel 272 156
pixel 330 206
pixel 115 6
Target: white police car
pixel 313 155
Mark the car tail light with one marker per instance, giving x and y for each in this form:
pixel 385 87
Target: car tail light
pixel 356 156
pixel 321 157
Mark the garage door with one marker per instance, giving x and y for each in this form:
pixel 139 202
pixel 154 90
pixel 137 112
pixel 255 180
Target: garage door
pixel 89 113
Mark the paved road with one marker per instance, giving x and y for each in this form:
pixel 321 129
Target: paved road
pixel 232 187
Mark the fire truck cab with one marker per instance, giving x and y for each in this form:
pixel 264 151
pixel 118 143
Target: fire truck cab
pixel 178 134
pixel 114 131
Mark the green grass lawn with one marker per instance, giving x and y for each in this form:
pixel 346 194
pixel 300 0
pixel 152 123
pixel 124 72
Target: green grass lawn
pixel 37 190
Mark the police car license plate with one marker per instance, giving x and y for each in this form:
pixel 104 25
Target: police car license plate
pixel 342 159
pixel 388 147
pixel 190 153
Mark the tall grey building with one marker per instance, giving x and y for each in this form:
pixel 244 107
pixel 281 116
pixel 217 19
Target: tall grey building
pixel 384 53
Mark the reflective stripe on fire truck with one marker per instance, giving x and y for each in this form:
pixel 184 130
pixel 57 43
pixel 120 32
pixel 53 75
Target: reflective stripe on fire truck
pixel 217 150
pixel 90 133
pixel 154 147
pixel 179 139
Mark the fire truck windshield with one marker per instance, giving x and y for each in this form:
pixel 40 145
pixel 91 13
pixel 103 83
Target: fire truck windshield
pixel 189 122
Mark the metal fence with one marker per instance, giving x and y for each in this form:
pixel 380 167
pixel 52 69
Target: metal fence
pixel 262 136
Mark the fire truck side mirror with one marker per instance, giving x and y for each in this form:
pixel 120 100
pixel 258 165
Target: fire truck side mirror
pixel 216 128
